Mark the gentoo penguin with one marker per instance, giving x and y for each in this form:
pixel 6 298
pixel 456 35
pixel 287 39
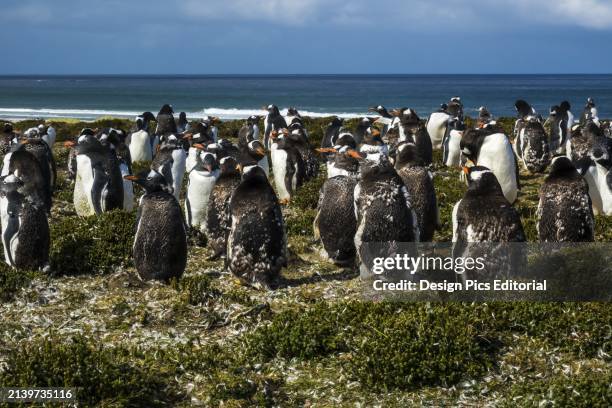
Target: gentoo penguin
pixel 411 129
pixel 535 151
pixel 491 148
pixel 141 146
pixel 211 121
pixel 484 216
pixel 160 244
pixel 272 121
pixel 372 145
pixel 455 107
pixel 24 165
pixel 556 126
pixel 25 227
pixel 300 141
pixel 385 118
pixel 590 112
pixel 292 113
pixel 41 150
pixel 383 209
pixel 335 223
pixel 98 185
pixel 287 165
pixel 114 139
pixel 257 243
pixel 201 181
pixel 363 130
pixel 451 144
pixel 200 134
pixel 419 183
pixel 601 154
pixel 165 122
pixel 565 108
pixel 341 161
pixel 436 126
pixel 332 132
pixel 170 161
pixel 217 216
pixel 523 112
pixel 484 116
pixel 47 134
pixel 564 211
pixel 249 131
pixel 254 152
pixel 182 125
pixel 6 138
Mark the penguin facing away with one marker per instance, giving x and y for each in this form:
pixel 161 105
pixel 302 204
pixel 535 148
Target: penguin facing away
pixel 287 166
pixel 564 210
pixel 534 146
pixel 217 216
pixel 419 183
pixel 383 208
pixel 436 126
pixel 332 132
pixel 141 148
pixel 257 243
pixel 165 122
pixel 170 161
pixel 160 243
pixel 25 227
pixel 335 223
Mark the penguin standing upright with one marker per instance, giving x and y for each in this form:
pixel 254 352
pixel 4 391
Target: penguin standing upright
pixel 436 125
pixel 299 138
pixel 141 147
pixel 523 112
pixel 292 113
pixel 98 185
pixel 249 131
pixel 273 121
pixel 419 183
pixel 212 121
pixel 411 129
pixel 372 145
pixel 601 154
pixel 385 118
pixel 332 131
pixel 200 134
pixel 568 117
pixel 556 126
pixel 202 179
pixel 335 223
pixel 535 151
pixel 217 216
pixel 165 122
pixel 254 152
pixel 491 148
pixel 25 227
pixel 564 211
pixel 6 138
pixel 114 139
pixel 257 243
pixel 287 165
pixel 160 244
pixel 41 150
pixel 182 124
pixel 484 216
pixel 170 161
pixel 25 166
pixel 451 144
pixel 383 207
pixel 590 114
pixel 47 134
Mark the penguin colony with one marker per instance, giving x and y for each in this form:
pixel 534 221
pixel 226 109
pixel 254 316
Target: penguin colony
pixel 379 185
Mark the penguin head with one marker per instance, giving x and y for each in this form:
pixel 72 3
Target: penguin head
pixel 148 116
pixel 406 155
pixel 345 139
pixel 205 160
pixel 166 110
pixel 373 137
pixel 336 122
pixel 140 123
pixel 228 166
pixel 590 102
pixel 256 150
pixel 7 128
pixel 554 110
pixel 443 107
pixel 9 184
pixel 32 133
pixel 253 173
pixel 482 180
pixel 272 110
pixel 456 100
pixel 152 181
pixel 522 107
pixel 183 117
pixel 253 120
pixel 565 106
pixel 291 111
pixel 381 110
pixel 561 166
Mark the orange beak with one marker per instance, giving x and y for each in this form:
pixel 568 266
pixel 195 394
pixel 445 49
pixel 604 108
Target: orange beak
pixel 187 136
pixel 354 154
pixel 466 170
pixel 326 150
pixel 199 146
pixel 69 143
pixel 131 178
pixel 260 150
pixel 375 132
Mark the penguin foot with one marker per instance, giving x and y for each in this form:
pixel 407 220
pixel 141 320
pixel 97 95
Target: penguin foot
pixel 284 201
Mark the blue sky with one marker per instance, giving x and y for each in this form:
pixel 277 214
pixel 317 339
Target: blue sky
pixel 305 36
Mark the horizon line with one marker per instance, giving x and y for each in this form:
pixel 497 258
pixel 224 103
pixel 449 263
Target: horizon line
pixel 302 74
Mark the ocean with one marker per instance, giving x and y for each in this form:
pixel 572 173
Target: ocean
pixel 238 96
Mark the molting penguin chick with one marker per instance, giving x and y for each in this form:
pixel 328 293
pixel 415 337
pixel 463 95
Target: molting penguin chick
pixel 523 112
pixel 98 185
pixel 292 113
pixel 114 139
pixel 202 179
pixel 590 113
pixel 256 244
pixel 25 227
pixel 6 138
pixel 217 216
pixel 484 216
pixel 411 129
pixel 160 244
pixel 170 161
pixel 201 134
pixel 342 160
pixel 255 153
pixel 299 139
pixel 335 223
pixel 556 127
pixel 332 132
pixel 165 122
pixel 372 146
pixel 436 125
pixel 419 183
pixel 273 121
pixel 249 131
pixel 287 165
pixel 490 147
pixel 41 150
pixel 564 211
pixel 383 208
pixel 182 125
pixel 535 151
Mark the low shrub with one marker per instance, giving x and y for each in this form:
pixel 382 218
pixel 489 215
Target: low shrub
pixel 13 280
pixel 196 290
